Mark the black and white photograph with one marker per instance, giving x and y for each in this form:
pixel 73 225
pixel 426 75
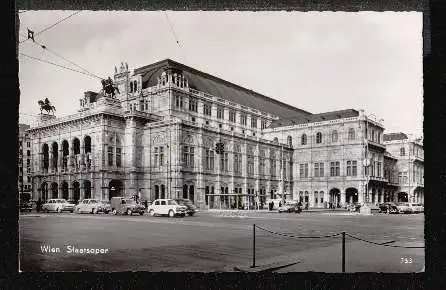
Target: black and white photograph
pixel 221 141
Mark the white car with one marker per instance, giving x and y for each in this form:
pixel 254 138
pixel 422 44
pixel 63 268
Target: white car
pixel 166 207
pixel 404 208
pixel 90 206
pixel 416 207
pixel 57 205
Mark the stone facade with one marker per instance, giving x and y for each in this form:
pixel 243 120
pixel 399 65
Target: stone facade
pixel 409 154
pixel 24 166
pixel 157 138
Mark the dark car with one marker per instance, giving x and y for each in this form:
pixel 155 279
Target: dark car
pixel 388 207
pixel 191 208
pixel 27 206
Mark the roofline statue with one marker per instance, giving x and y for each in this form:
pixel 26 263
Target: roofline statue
pixel 108 87
pixel 46 105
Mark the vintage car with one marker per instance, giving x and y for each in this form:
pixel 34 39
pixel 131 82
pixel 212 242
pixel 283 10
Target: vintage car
pixel 191 208
pixel 58 205
pixel 288 206
pixel 91 206
pixel 167 207
pixel 27 206
pixel 125 205
pixel 388 207
pixel 404 207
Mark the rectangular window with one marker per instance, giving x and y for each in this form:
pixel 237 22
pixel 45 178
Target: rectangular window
pixel 185 156
pixel 338 169
pixel 220 113
pixel 250 166
pixel 316 169
pixel 253 122
pixel 118 157
pixel 28 178
pixel 193 104
pixel 191 157
pixel 321 169
pixel 306 170
pixel 301 171
pixel 378 169
pixel 262 166
pixel 161 149
pixel 334 168
pixel 232 116
pixel 28 153
pixel 238 163
pixel 155 157
pixel 354 168
pixel 349 168
pixel 273 168
pixel 110 156
pixel 263 124
pixel 243 119
pixel 28 144
pixel 179 102
pixel 207 109
pixel 224 162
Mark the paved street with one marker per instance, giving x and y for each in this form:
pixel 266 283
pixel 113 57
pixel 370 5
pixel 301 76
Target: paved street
pixel 214 241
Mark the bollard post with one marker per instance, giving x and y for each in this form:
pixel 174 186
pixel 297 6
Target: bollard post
pixel 343 252
pixel 253 246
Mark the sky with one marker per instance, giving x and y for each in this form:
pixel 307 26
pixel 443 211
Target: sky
pixel 315 61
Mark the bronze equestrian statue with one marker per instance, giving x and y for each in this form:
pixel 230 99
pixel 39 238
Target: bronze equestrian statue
pixel 46 105
pixel 108 87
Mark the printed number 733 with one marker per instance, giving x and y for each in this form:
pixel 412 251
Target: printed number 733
pixel 406 260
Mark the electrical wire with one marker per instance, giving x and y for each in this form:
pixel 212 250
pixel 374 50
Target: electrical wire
pixel 58 65
pixel 67 60
pixel 173 32
pixel 51 26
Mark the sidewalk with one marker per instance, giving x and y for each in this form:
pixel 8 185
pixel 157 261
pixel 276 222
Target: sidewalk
pixel 359 257
pixel 312 210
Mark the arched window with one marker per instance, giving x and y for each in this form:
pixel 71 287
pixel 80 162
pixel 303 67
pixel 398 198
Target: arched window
pixel 402 151
pixel 334 136
pixel 303 139
pixel 290 141
pixel 351 134
pixel 318 137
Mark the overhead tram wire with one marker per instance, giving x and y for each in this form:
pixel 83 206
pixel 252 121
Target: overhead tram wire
pixel 173 32
pixel 61 66
pixel 51 26
pixel 67 60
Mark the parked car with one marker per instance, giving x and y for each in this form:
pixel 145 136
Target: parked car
pixel 106 206
pixel 404 207
pixel 354 207
pixel 73 201
pixel 58 205
pixel 416 207
pixel 191 208
pixel 388 207
pixel 289 206
pixel 27 206
pixel 128 206
pixel 89 206
pixel 167 207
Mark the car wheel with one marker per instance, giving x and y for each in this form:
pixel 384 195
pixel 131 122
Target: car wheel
pixel 114 211
pixel 94 211
pixel 151 212
pixel 191 214
pixel 129 212
pixel 58 210
pixel 78 210
pixel 141 213
pixel 171 213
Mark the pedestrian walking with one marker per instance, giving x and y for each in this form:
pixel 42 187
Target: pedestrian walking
pixel 39 205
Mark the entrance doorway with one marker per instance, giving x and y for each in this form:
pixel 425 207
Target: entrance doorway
pixel 351 195
pixel 115 188
pixel 335 197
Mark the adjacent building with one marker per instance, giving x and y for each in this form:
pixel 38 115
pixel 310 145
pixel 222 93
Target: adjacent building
pixel 24 166
pixel 409 169
pixel 160 135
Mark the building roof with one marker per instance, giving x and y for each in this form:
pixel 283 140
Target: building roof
pixel 394 136
pixel 327 116
pixel 220 88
